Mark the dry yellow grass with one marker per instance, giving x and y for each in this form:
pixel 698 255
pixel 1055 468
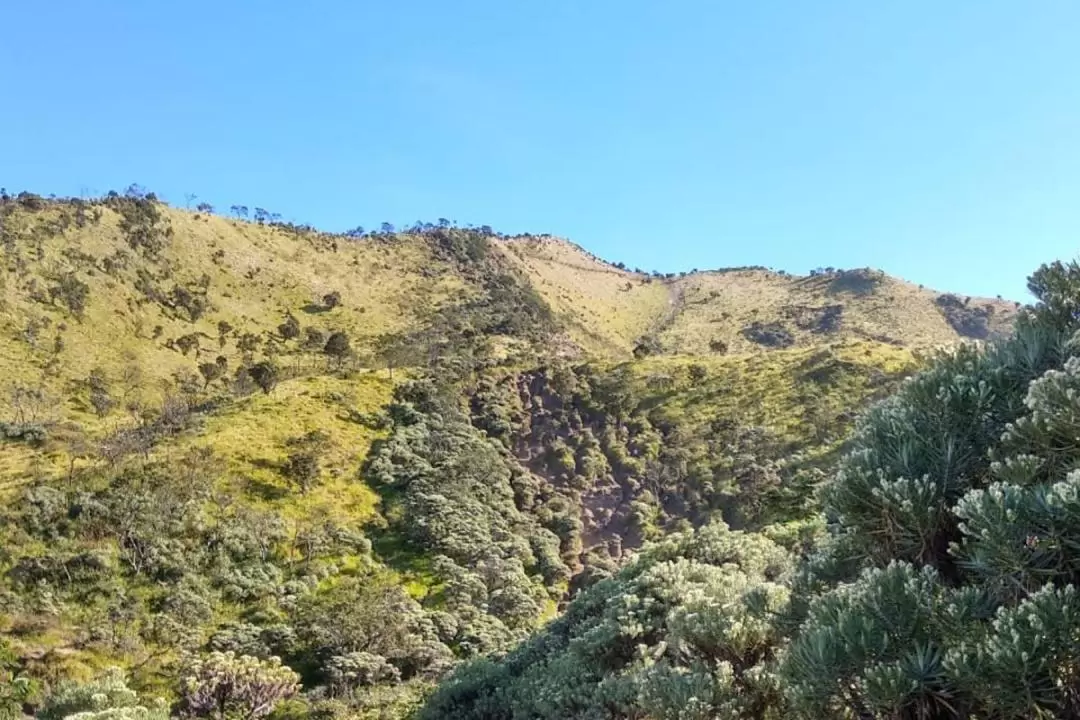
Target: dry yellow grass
pixel 718 305
pixel 605 309
pixel 256 274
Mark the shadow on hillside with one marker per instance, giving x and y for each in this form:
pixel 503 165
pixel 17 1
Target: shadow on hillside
pixel 313 309
pixel 266 490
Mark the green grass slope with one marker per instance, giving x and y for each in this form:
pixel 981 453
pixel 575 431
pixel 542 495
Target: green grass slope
pixel 190 462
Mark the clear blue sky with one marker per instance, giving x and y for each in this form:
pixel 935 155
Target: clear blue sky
pixel 939 141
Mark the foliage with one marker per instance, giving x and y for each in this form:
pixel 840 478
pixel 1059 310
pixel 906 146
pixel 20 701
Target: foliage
pixel 16 689
pixel 946 588
pixel 265 375
pixel 223 685
pixel 686 631
pixel 107 698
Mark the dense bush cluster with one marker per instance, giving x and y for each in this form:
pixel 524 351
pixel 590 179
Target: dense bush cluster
pixel 450 494
pixel 688 630
pixel 943 587
pixel 611 468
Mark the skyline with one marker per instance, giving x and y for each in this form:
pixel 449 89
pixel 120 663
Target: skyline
pixel 935 143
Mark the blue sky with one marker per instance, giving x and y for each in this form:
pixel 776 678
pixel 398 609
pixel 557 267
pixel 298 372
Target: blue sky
pixel 939 141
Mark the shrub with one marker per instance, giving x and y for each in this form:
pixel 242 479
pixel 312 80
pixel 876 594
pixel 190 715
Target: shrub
pixel 337 346
pixel 290 329
pixel 224 685
pixel 265 375
pixel 71 291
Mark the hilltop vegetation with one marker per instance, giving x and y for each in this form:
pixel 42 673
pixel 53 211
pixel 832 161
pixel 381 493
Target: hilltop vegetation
pixel 250 465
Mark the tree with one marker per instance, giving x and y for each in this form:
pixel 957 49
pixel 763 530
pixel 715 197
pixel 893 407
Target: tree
pixel 718 346
pixel 290 329
pixel 265 375
pixel 248 342
pixel 71 291
pixel 212 371
pixel 100 397
pixel 314 338
pixel 193 303
pixel 646 346
pixel 226 686
pixel 261 215
pixel 205 207
pixel 395 350
pixel 187 343
pixel 223 329
pixel 338 347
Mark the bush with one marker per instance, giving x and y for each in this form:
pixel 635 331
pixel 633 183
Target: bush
pixel 71 291
pixel 265 375
pixel 290 329
pixel 338 347
pixel 108 698
pixel 224 685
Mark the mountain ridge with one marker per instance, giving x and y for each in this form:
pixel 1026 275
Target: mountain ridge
pixel 446 429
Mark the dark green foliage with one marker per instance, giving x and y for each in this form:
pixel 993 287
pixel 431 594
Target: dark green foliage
pixel 451 494
pixel 647 346
pixel 338 346
pixel 72 292
pixel 331 300
pixel 213 371
pixel 290 329
pixel 224 328
pixel 187 343
pixel 466 248
pixel 859 282
pixel 30 201
pixel 302 466
pixel 265 375
pixel 314 338
pixel 248 342
pixel 193 302
pixel 772 334
pixel 367 631
pixel 146 228
pixel 967 321
pixel 16 688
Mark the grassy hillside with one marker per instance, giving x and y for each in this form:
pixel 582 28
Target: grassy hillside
pixel 376 456
pixel 610 310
